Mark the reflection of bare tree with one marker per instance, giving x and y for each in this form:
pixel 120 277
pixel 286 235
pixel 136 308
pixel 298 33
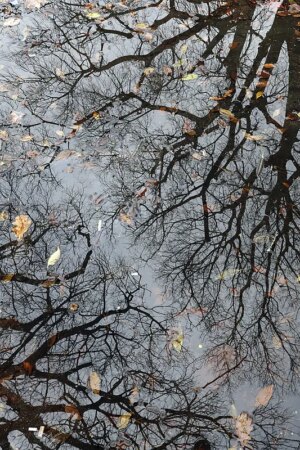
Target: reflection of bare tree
pixel 192 109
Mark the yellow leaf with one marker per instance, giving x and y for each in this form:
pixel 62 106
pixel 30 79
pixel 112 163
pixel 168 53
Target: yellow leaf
pixel 7 277
pixel 226 112
pixel 141 26
pixel 124 420
pixel 177 342
pixel 149 70
pixel 26 138
pixel 3 216
pixel 269 66
pixel 277 342
pixel 53 259
pixel 3 135
pixel 96 115
pixel 125 218
pixel 264 395
pixel 94 383
pixel 254 137
pixel 183 49
pixel 189 76
pixel 21 225
pixel 259 94
pixel 93 15
pixel 227 274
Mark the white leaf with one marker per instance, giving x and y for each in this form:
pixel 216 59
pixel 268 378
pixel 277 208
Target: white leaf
pixel 53 259
pixel 232 410
pixel 11 21
pixel 31 4
pixel 94 383
pixel 16 116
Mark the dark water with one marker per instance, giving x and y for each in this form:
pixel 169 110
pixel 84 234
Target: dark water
pixel 150 225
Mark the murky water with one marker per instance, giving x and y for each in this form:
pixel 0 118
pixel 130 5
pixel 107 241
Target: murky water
pixel 149 215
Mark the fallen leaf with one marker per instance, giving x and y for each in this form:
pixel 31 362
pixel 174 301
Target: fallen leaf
pixel 276 342
pixel 264 396
pixel 177 342
pixel 148 71
pixel 21 225
pixel 48 283
pixel 243 428
pixel 125 218
pixel 259 94
pixel 232 410
pixel 26 138
pixel 11 22
pixel 189 76
pixel 229 114
pixel 60 74
pixel 16 116
pixel 4 135
pixel 124 420
pixel 31 4
pixel 269 66
pixel 73 307
pixel 254 137
pixel 94 383
pixel 234 45
pixel 73 410
pixel 6 278
pixel 229 273
pixel 93 15
pixel 28 367
pixel 3 216
pixel 53 259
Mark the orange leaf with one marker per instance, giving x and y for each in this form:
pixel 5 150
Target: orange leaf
pixel 28 367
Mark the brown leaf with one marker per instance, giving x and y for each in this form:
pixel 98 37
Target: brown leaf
pixel 28 367
pixel 73 410
pixel 234 45
pixel 21 225
pixel 52 340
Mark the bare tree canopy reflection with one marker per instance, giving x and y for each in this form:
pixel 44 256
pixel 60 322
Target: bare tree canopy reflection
pixel 150 223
